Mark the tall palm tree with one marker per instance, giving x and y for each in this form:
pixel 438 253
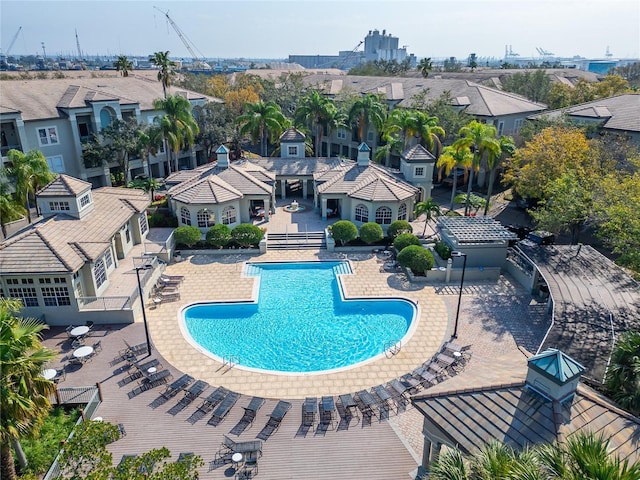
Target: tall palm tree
pixel 481 139
pixel 24 399
pixel 123 65
pixel 400 122
pixel 262 122
pixel 425 66
pixel 149 142
pixel 178 126
pixel 507 148
pixel 428 131
pixel 366 112
pixel 167 69
pixel 429 208
pixel 9 209
pixel 30 172
pixel 451 159
pixel 623 374
pixel 315 110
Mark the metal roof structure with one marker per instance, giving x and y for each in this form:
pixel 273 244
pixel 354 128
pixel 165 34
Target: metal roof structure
pixel 475 230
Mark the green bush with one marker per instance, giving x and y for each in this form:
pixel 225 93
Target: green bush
pixel 246 235
pixel 398 227
pixel 159 219
pixel 443 249
pixel 219 235
pixel 344 231
pixel 417 258
pixel 187 235
pixel 371 232
pixel 404 240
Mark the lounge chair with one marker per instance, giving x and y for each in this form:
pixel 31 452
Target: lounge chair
pixel 134 350
pixel 444 360
pixel 168 283
pixel 327 411
pixel 208 404
pixel 166 296
pixel 156 378
pixel 173 278
pixel 365 403
pixel 180 384
pixel 249 415
pixel 425 377
pixel 382 398
pixel 413 385
pixel 190 395
pixel 309 408
pixel 349 406
pixel 223 409
pixel 398 391
pixel 275 419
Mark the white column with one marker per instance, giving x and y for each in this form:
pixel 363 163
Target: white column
pixel 267 208
pixel 283 189
pixel 324 208
pixel 426 452
pixel 304 188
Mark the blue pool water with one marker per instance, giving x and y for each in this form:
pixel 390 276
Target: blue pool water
pixel 300 322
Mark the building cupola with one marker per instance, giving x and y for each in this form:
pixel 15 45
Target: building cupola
pixel 222 154
pixel 554 375
pixel 364 155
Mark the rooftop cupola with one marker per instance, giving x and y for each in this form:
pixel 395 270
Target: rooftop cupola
pixel 554 375
pixel 222 154
pixel 364 154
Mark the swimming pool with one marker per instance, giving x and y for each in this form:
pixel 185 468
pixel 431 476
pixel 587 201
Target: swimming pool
pixel 299 323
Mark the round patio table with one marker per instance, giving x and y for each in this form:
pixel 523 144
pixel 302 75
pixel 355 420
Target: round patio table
pixel 79 331
pixel 83 352
pixel 49 373
pixel 236 457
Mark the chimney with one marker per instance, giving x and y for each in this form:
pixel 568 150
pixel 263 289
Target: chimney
pixel 364 153
pixel 553 375
pixel 222 154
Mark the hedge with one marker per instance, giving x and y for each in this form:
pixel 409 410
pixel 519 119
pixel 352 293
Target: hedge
pixel 404 240
pixel 417 258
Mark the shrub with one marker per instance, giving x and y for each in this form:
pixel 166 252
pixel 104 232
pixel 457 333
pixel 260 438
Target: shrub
pixel 187 235
pixel 219 235
pixel 398 227
pixel 443 249
pixel 417 258
pixel 246 235
pixel 344 231
pixel 371 232
pixel 159 219
pixel 404 240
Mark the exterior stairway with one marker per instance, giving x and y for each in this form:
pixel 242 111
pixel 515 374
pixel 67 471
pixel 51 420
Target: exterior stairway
pixel 296 241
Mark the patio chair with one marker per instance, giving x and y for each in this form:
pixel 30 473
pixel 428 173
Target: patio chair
pixel 425 377
pixel 382 398
pixel 275 419
pixel 97 346
pixel 180 384
pixel 135 350
pixel 75 361
pixel 61 375
pixel 68 330
pixel 327 411
pixel 365 403
pixel 309 408
pixel 412 384
pixel 89 324
pixel 178 278
pixel 190 395
pixel 249 415
pixel 168 283
pixel 223 409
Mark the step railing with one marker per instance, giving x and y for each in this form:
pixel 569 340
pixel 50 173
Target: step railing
pixel 229 361
pixel 392 348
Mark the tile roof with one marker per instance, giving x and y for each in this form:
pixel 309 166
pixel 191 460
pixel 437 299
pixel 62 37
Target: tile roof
pixel 296 166
pixel 418 154
pixel 62 244
pixel 64 186
pixel 209 190
pixel 292 134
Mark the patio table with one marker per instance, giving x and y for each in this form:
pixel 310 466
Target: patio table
pixel 49 373
pixel 83 352
pixel 79 331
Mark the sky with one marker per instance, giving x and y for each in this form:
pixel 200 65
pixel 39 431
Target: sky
pixel 272 29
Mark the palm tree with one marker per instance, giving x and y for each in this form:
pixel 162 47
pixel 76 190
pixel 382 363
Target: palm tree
pixel 429 208
pixel 9 209
pixel 123 64
pixel 507 148
pixel 623 374
pixel 368 111
pixel 24 401
pixel 428 131
pixel 149 141
pixel 178 126
pixel 481 139
pixel 425 66
pixel 30 172
pixel 314 110
pixel 262 121
pixel 167 69
pixel 451 159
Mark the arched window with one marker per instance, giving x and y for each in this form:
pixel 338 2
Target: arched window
pixel 185 216
pixel 106 117
pixel 383 215
pixel 205 218
pixel 228 215
pixel 362 213
pixel 402 211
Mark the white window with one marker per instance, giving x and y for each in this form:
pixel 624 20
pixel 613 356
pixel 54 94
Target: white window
pixel 383 215
pixel 341 134
pixel 517 125
pixel 59 206
pixel 419 172
pixel 55 296
pixel 293 151
pixel 402 211
pixel 85 200
pixel 26 294
pixel 56 164
pixel 228 215
pixel 108 259
pixel 99 272
pixel 205 218
pixel 500 128
pixel 185 216
pixel 362 213
pixel 144 226
pixel 48 136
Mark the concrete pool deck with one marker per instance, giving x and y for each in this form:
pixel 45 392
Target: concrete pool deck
pixel 219 278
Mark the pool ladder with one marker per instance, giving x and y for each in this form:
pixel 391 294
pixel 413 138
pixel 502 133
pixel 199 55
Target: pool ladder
pixel 230 361
pixel 392 348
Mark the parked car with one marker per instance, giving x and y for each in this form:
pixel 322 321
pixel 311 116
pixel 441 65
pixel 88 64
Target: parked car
pixel 541 237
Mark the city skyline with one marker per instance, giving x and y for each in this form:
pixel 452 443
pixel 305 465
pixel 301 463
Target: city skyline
pixel 276 29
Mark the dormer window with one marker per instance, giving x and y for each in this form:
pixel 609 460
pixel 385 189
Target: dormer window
pixel 292 150
pixel 419 172
pixel 59 206
pixel 85 200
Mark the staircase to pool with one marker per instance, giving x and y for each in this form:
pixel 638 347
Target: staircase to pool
pixel 296 241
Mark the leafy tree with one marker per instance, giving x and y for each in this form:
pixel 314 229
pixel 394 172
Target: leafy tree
pixel 559 96
pixel 472 62
pixel 404 240
pixel 623 374
pixel 149 142
pixel 382 68
pixel 450 119
pixel 366 112
pixel 235 100
pixel 123 65
pixel 262 122
pixel 472 201
pixel 215 124
pixel 344 231
pixel 629 72
pixel 120 140
pixel 166 69
pixel 10 210
pixel 178 126
pixel 533 85
pixel 417 258
pixel 29 172
pixel 219 235
pixel 425 66
pixel 371 232
pixel 451 159
pixel 24 393
pixel 428 132
pixel 430 208
pixel 507 148
pixel 187 235
pixel 285 91
pixel 218 86
pixel 246 235
pixel 316 111
pixel 397 227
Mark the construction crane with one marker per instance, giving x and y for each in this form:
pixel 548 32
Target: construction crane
pixel 13 41
pixel 351 54
pixel 185 40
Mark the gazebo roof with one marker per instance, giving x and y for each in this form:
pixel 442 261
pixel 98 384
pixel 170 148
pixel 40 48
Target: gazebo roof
pixel 475 230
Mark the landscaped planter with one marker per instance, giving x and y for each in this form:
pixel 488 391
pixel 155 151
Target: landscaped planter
pixel 220 251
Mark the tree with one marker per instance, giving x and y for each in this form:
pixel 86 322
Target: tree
pixel 417 258
pixel 315 110
pixel 149 185
pixel 178 126
pixel 536 86
pixel 10 210
pixel 451 159
pixel 344 231
pixel 166 69
pixel 366 112
pixel 450 119
pixel 123 65
pixel 425 66
pixel 428 131
pixel 507 148
pixel 397 227
pixel 121 139
pixel 149 142
pixel 371 232
pixel 472 61
pixel 246 235
pixel 24 399
pixel 404 240
pixel 430 208
pixel 187 235
pixel 480 139
pixel 473 201
pixel 30 172
pixel 623 375
pixel 262 122
pixel 215 125
pixel 219 235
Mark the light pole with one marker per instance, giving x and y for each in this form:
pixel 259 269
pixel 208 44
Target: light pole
pixel 144 313
pixel 464 267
